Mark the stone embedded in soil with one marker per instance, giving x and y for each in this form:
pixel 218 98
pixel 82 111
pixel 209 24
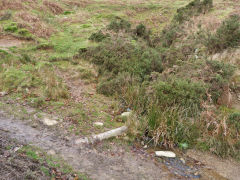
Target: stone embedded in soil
pixel 51 152
pixel 49 122
pixel 98 124
pixel 169 154
pixel 126 114
pixel 3 94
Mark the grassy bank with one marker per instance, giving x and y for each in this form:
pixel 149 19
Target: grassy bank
pixel 158 59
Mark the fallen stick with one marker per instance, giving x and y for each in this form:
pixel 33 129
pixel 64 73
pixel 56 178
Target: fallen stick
pixel 102 136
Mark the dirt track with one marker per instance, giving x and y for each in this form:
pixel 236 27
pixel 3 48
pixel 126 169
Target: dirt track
pixel 98 164
pixel 105 161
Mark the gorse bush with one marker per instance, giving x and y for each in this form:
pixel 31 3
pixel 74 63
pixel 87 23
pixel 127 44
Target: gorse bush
pixel 180 92
pixel 142 31
pixel 98 36
pixel 226 36
pixel 118 24
pixel 219 75
pixel 172 31
pixel 169 35
pixel 224 69
pixel 117 56
pixel 193 8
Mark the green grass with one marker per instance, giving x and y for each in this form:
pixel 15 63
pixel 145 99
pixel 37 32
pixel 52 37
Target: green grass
pixel 48 162
pixel 163 76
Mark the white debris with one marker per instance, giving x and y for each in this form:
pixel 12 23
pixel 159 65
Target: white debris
pixel 16 149
pixel 102 136
pixel 98 124
pixel 49 122
pixel 169 154
pixel 126 114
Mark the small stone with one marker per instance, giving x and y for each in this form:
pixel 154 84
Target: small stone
pixel 3 93
pixel 169 154
pixel 49 122
pixel 67 138
pixel 16 149
pixel 126 114
pixel 51 152
pixel 183 161
pixel 82 141
pixel 34 125
pixel 145 147
pixel 98 124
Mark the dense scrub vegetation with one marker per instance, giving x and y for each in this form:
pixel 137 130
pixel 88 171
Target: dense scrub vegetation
pixel 167 79
pixel 170 109
pixel 227 35
pixel 173 30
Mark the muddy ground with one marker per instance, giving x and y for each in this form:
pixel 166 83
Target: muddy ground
pixel 19 161
pixel 104 160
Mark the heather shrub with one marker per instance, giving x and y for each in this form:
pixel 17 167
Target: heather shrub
pixel 120 55
pixel 98 36
pixel 118 24
pixel 226 36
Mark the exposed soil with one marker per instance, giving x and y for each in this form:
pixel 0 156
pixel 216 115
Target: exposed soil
pixel 114 163
pixel 108 160
pixel 9 41
pixel 16 164
pixel 226 168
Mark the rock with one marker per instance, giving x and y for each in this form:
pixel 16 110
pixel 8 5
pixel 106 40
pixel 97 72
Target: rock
pixel 3 93
pixel 49 122
pixel 145 147
pixel 98 124
pixel 169 154
pixel 16 149
pixel 51 152
pixel 183 161
pixel 125 114
pixel 226 97
pixel 34 125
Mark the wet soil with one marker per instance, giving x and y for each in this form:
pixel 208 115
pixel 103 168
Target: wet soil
pixel 16 163
pixel 108 160
pixel 114 163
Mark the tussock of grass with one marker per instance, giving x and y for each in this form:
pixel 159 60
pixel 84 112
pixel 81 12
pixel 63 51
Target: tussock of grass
pixel 31 78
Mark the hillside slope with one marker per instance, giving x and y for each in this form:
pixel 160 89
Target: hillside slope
pixel 173 64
